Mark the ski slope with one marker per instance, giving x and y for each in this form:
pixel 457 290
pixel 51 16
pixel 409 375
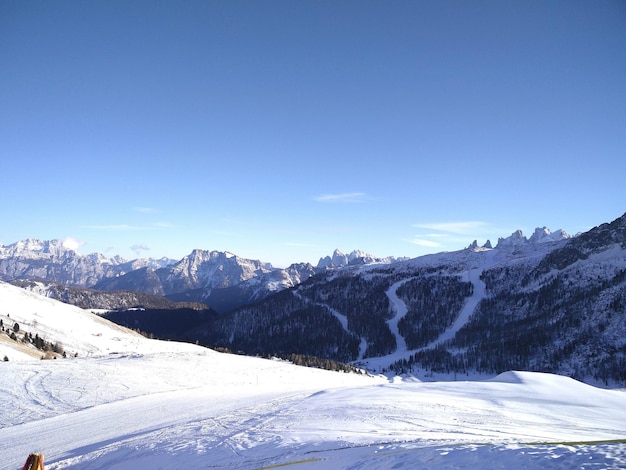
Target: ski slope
pixel 138 403
pixel 400 309
pixel 478 294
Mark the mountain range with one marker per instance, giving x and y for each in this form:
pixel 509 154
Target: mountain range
pixel 548 302
pixel 221 280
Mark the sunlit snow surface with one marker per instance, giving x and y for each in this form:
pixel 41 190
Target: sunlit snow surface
pixel 136 403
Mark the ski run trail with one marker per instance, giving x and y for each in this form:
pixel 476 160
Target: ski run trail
pixel 472 274
pixel 127 402
pixel 343 319
pixel 479 293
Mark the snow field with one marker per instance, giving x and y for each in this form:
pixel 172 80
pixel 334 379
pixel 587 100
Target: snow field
pixel 207 410
pixel 127 402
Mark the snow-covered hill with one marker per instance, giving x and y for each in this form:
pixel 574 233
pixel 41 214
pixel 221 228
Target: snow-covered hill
pixel 76 331
pixel 127 402
pixel 548 303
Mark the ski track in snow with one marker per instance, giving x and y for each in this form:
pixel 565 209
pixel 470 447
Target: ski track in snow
pixel 340 316
pixel 401 310
pixel 472 274
pixel 479 293
pixel 343 319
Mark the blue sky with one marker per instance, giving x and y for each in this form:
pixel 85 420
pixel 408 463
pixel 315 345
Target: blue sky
pixel 281 130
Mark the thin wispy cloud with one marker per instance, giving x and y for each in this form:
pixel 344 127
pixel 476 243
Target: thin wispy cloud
pixel 342 198
pixel 450 235
pixel 437 235
pixel 425 243
pixel 138 248
pixel 461 228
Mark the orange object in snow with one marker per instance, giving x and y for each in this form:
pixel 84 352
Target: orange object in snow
pixel 34 462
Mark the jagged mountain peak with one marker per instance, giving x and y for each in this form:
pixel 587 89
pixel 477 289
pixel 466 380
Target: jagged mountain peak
pixel 57 260
pixel 198 256
pixel 516 238
pixel 35 246
pixel 339 259
pixel 540 235
pixel 212 269
pixel 475 247
pixel 543 235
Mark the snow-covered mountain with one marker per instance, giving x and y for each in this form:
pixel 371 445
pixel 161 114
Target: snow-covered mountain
pixel 117 400
pixel 220 279
pixel 549 303
pixel 541 235
pixel 517 238
pixel 57 261
pixel 339 259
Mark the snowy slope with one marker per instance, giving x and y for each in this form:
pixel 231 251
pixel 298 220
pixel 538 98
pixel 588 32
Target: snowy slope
pixel 138 403
pixel 79 332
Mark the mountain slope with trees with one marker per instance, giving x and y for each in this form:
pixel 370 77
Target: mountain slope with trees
pixel 550 305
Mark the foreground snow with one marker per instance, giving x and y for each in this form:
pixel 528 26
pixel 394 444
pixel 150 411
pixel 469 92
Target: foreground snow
pixel 201 409
pixel 137 403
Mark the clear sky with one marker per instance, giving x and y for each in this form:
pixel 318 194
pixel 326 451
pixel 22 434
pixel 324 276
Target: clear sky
pixel 281 130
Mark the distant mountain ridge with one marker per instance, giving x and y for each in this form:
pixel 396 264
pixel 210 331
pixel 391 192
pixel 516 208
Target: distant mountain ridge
pixel 338 259
pixel 52 260
pixel 222 280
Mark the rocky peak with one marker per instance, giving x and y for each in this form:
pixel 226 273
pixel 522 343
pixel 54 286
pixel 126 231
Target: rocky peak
pixel 543 235
pixel 355 257
pixel 516 238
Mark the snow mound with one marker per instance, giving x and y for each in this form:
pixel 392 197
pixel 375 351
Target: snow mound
pixel 550 387
pixel 539 379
